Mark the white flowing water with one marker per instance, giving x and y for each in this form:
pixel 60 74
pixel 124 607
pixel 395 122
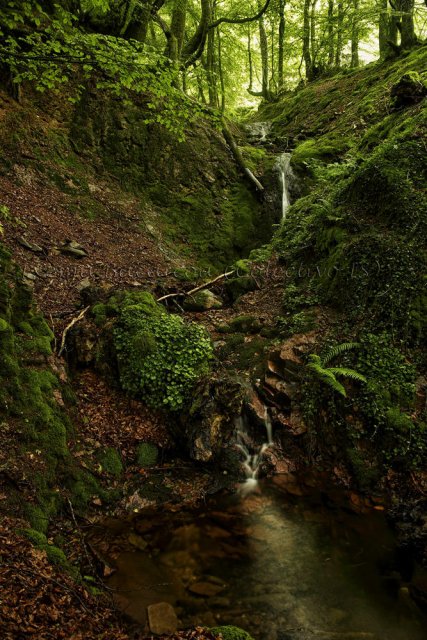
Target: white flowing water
pixel 252 459
pixel 258 131
pixel 283 166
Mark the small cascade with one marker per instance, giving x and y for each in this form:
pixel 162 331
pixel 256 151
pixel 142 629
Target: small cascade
pixel 258 132
pixel 283 166
pixel 252 456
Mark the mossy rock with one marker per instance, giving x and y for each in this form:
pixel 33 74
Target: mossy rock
pixel 203 301
pixel 236 287
pixel 229 632
pixel 160 356
pixel 147 454
pixel 111 462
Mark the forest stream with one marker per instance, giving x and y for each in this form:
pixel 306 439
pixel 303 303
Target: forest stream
pixel 282 567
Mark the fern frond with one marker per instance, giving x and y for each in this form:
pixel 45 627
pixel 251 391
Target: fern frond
pixel 338 349
pixel 326 376
pixel 348 373
pixel 315 359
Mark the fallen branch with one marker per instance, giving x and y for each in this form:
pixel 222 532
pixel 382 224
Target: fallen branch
pixel 70 326
pixel 185 294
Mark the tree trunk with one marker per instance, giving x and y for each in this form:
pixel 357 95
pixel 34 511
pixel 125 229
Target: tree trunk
pixel 330 33
pixel 179 15
pixel 306 41
pixel 220 70
pixel 383 28
pixel 281 52
pixel 407 29
pixel 355 35
pixel 211 69
pixel 263 41
pixel 313 45
pixel 340 21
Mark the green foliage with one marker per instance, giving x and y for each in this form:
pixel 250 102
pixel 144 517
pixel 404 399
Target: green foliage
pixel 300 322
pixel 147 454
pixel 160 356
pixel 328 375
pixel 229 632
pixel 111 462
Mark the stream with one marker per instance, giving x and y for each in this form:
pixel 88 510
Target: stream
pixel 281 567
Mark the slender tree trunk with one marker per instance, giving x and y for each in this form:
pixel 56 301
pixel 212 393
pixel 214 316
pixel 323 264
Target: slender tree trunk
pixel 250 61
pixel 313 44
pixel 281 48
pixel 306 41
pixel 330 33
pixel 264 59
pixel 355 35
pixel 211 65
pixel 383 28
pixel 220 70
pixel 340 21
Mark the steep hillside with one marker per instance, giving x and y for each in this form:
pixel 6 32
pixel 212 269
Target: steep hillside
pixel 353 249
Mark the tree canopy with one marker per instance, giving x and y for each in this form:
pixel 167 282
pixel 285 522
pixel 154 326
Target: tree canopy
pixel 187 55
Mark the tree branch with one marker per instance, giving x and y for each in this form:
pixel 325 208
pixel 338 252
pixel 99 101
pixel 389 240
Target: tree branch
pixel 240 20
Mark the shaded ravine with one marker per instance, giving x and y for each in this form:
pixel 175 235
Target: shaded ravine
pixel 282 568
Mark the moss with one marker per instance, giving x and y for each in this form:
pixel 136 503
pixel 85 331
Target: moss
pixel 236 287
pixel 37 518
pixel 326 148
pixel 111 462
pixel 229 632
pixel 160 357
pixel 147 454
pixel 36 537
pixel 83 488
pixel 4 326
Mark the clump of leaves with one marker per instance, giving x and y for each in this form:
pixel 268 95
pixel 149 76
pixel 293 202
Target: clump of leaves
pixel 160 356
pixel 328 375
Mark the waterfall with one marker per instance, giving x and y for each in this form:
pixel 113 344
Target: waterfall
pixel 252 455
pixel 283 166
pixel 258 131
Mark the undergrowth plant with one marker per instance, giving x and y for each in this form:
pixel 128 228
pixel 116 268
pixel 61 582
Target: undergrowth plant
pixel 328 375
pixel 160 356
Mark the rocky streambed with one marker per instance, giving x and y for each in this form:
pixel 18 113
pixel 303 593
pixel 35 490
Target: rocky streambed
pixel 280 566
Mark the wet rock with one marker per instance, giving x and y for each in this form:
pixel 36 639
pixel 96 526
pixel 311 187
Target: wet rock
pixel 203 301
pixel 137 541
pixel 208 428
pixel 294 423
pixel 206 589
pixel 162 618
pixel 255 408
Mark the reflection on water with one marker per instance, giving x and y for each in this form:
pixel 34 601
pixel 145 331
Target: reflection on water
pixel 282 571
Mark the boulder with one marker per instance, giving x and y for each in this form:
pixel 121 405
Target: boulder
pixel 162 619
pixel 204 300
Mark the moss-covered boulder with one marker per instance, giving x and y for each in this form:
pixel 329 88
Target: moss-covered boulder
pixel 160 357
pixel 229 632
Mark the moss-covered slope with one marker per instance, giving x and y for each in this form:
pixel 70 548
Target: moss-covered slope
pixel 355 244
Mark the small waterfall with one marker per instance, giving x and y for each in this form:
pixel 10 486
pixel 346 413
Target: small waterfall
pixel 283 166
pixel 252 456
pixel 258 132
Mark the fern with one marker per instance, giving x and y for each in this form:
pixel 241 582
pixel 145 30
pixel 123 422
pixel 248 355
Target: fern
pixel 328 375
pixel 338 350
pixel 347 373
